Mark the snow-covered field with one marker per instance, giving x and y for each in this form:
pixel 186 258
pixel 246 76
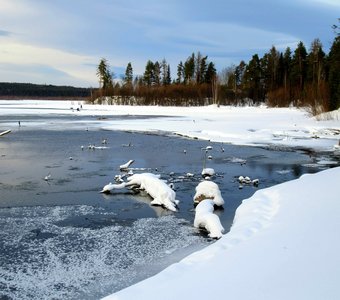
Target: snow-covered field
pixel 284 243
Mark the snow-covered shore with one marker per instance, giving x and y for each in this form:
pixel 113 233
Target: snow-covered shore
pixel 237 125
pixel 284 242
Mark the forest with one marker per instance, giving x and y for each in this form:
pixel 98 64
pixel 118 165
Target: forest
pixel 298 77
pixel 9 90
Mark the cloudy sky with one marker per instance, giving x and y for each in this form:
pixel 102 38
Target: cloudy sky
pixel 61 41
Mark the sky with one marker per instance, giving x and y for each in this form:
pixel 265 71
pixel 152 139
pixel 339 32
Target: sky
pixel 62 41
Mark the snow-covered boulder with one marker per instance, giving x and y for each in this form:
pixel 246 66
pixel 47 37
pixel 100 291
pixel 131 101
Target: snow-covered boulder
pixel 205 218
pixel 161 193
pixel 208 190
pixel 208 172
pixel 247 180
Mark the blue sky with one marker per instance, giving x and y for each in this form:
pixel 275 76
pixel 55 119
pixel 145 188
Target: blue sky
pixel 61 41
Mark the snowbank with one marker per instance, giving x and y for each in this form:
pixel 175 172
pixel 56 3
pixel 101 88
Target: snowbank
pixel 284 244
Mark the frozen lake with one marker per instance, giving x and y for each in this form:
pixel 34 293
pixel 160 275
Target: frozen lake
pixel 61 238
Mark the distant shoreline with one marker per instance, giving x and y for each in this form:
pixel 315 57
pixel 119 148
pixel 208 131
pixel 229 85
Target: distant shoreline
pixel 60 98
pixel 30 91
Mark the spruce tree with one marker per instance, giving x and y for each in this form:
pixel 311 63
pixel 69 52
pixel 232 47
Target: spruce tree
pixel 180 72
pixel 168 76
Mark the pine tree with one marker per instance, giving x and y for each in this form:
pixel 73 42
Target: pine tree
pixel 128 78
pixel 189 69
pixel 104 74
pixel 252 79
pixel 274 57
pixel 334 74
pixel 316 63
pixel 239 72
pixel 210 73
pixel 200 67
pixel 287 62
pixel 299 66
pixel 149 75
pixel 157 73
pixel 164 71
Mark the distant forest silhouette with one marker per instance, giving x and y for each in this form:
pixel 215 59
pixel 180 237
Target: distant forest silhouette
pixel 294 77
pixel 11 90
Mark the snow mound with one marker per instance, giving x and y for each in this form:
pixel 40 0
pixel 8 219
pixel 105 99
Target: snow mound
pixel 208 190
pixel 161 193
pixel 205 218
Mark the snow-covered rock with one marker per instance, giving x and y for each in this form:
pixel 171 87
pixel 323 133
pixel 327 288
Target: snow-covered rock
pixel 208 190
pixel 112 186
pixel 247 180
pixel 205 218
pixel 161 193
pixel 208 172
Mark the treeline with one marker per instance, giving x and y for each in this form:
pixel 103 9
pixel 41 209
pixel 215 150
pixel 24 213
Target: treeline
pixel 156 87
pixel 298 78
pixel 293 77
pixel 11 90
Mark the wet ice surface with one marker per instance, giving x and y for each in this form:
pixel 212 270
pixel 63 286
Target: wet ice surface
pixel 62 239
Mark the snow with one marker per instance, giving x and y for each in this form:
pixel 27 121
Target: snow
pixel 237 125
pixel 112 186
pixel 208 190
pixel 126 165
pixel 284 242
pixel 208 172
pixel 205 218
pixel 161 193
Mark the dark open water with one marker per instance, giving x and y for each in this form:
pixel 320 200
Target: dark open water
pixel 61 239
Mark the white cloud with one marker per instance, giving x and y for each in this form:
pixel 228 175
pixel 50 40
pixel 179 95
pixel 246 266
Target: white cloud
pixel 17 8
pixel 78 67
pixel 51 32
pixel 220 40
